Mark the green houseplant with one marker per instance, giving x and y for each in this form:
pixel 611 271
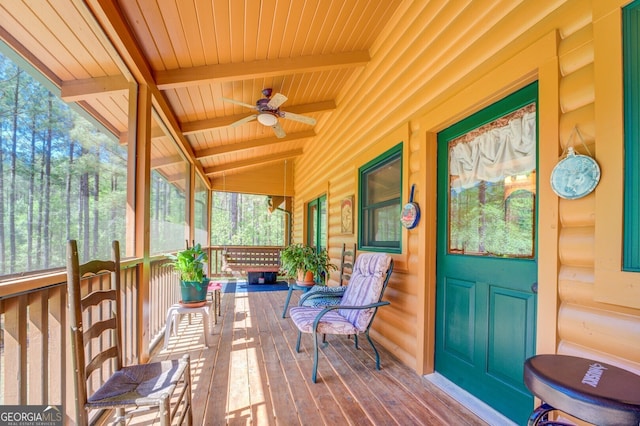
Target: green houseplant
pixel 304 263
pixel 189 263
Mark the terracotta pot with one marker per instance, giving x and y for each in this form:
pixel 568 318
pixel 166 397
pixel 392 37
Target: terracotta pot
pixel 305 276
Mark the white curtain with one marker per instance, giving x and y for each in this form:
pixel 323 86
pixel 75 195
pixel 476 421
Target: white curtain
pixel 492 155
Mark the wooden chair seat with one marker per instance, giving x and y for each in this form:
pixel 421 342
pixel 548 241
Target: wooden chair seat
pixel 589 390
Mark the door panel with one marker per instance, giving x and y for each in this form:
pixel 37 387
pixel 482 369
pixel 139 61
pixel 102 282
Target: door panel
pixel 486 254
pixel 458 331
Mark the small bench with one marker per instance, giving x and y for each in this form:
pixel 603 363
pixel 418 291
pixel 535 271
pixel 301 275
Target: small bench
pixel 261 264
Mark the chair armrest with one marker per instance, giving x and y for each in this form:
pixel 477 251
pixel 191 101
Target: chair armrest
pixel 333 308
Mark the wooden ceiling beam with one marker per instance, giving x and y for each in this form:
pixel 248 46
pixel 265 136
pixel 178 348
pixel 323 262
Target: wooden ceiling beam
pixel 175 78
pixel 252 162
pixel 226 149
pixel 79 90
pixel 158 163
pixel 220 122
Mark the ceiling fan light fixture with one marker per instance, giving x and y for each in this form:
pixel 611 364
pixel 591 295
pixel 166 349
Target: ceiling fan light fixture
pixel 267 119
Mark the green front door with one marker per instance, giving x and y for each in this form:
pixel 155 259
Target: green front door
pixel 486 261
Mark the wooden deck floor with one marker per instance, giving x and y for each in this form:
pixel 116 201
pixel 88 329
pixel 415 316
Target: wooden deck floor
pixel 251 374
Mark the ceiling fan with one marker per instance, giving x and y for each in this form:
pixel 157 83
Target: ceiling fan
pixel 268 111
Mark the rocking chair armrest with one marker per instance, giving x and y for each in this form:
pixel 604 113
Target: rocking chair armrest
pixel 332 308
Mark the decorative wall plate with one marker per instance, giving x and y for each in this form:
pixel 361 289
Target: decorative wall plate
pixel 410 212
pixel 575 176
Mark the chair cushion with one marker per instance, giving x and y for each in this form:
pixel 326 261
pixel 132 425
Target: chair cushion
pixel 365 287
pixel 139 384
pixel 332 322
pixel 323 300
pixel 321 295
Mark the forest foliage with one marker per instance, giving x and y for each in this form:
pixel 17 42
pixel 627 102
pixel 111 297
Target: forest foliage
pixel 63 177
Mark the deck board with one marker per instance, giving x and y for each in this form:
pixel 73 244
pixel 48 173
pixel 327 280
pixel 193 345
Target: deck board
pixel 252 374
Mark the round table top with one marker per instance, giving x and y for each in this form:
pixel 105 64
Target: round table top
pixel 590 390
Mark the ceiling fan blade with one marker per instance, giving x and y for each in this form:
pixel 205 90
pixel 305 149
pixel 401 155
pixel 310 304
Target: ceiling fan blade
pixel 233 101
pixel 279 131
pixel 277 100
pixel 244 120
pixel 297 117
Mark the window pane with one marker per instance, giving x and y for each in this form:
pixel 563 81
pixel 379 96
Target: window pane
pixel 492 185
pixel 311 232
pixel 383 183
pixel 323 222
pixel 200 211
pixel 63 177
pixel 386 225
pixel 169 176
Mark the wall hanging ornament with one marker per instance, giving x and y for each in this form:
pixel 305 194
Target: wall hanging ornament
pixel 576 175
pixel 410 212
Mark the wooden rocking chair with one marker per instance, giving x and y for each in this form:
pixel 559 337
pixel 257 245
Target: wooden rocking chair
pixel 322 295
pixel 134 386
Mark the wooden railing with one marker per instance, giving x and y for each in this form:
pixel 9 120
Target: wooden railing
pixel 35 347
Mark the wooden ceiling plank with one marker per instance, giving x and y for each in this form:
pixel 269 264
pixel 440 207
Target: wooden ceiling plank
pixel 76 90
pixel 264 142
pixel 252 162
pixel 269 67
pixel 218 122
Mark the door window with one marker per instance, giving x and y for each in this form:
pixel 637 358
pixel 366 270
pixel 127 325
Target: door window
pixel 492 185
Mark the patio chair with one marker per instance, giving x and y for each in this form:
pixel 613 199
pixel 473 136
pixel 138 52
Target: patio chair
pixel 322 295
pixel 357 308
pixel 94 310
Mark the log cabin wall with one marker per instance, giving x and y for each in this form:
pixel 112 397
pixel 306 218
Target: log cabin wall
pixel 435 63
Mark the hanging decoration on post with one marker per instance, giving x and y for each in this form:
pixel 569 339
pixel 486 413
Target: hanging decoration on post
pixel 576 175
pixel 410 212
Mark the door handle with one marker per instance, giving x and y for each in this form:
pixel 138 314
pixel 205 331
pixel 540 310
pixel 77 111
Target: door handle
pixel 534 288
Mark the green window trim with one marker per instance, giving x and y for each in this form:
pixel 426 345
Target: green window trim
pixel 365 210
pixel 631 58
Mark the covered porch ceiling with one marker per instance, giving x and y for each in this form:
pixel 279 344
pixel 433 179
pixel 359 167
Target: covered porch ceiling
pixel 193 53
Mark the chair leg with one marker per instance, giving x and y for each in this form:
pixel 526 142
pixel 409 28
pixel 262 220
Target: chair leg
pixel 314 374
pixel 374 350
pixel 286 302
pixel 298 342
pixel 539 416
pixel 165 411
pixel 355 341
pixel 120 418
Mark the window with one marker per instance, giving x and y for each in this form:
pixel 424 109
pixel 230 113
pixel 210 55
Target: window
pixel 631 55
pixel 200 211
pixel 169 183
pixel 380 183
pixel 317 223
pixel 63 177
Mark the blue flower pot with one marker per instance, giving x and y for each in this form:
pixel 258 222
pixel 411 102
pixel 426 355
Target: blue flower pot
pixel 194 291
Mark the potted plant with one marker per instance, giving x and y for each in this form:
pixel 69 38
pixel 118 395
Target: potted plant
pixel 190 265
pixel 323 266
pixel 304 263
